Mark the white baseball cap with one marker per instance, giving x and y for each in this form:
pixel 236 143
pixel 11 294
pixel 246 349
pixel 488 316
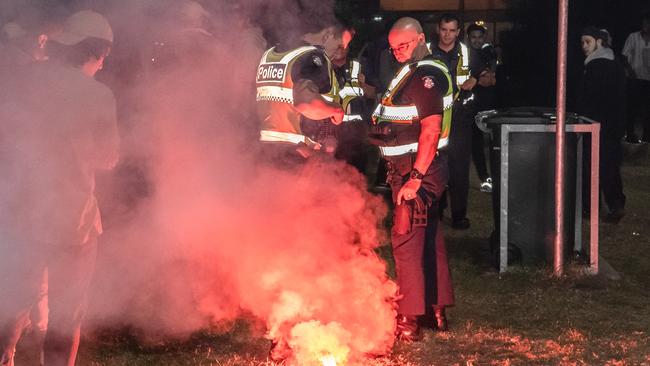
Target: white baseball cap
pixel 81 25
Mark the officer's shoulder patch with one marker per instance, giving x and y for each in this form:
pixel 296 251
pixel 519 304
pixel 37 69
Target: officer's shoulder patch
pixel 428 82
pixel 317 60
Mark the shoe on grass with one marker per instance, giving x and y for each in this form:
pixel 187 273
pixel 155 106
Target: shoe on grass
pixel 486 186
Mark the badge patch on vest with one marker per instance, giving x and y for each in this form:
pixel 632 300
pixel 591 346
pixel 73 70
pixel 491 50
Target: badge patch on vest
pixel 271 72
pixel 428 82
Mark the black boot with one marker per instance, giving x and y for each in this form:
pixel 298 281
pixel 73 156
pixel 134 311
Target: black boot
pixel 408 329
pixel 440 319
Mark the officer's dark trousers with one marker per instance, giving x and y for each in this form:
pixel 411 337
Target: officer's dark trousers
pixel 460 153
pixel 478 153
pixel 70 268
pixel 639 108
pixel 420 255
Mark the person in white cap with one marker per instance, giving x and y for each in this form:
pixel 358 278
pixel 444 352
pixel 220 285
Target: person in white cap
pixel 59 127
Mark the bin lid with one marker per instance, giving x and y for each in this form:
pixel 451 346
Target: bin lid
pixel 487 120
pixel 527 116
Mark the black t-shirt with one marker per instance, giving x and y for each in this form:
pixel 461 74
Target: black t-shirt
pixel 313 66
pixel 451 59
pixel 425 89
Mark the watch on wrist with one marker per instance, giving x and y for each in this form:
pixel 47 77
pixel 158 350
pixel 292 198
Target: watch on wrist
pixel 415 174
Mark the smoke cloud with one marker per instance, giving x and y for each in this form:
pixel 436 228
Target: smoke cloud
pixel 196 231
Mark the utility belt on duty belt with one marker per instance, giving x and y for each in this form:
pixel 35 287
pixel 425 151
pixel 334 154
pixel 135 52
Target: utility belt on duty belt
pixel 413 213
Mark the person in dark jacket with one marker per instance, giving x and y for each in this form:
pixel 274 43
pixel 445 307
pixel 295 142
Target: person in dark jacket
pixel 602 98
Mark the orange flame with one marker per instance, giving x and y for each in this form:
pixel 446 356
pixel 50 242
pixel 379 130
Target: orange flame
pixel 314 343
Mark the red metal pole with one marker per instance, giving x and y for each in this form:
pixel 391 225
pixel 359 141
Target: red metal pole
pixel 563 20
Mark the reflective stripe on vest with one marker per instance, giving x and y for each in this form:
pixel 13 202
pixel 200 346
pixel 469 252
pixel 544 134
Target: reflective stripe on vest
pixel 355 69
pixel 276 136
pixel 398 150
pixel 406 149
pixel 270 93
pixel 297 52
pixel 396 113
pixel 351 91
pixel 462 70
pixel 352 117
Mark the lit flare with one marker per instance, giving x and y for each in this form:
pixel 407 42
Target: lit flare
pixel 328 360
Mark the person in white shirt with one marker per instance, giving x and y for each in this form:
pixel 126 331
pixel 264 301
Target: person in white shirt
pixel 637 54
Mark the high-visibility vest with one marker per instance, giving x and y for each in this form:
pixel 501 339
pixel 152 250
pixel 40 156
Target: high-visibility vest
pixel 407 114
pixel 462 68
pixel 280 121
pixel 351 90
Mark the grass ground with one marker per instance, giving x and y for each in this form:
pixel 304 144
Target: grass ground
pixel 523 317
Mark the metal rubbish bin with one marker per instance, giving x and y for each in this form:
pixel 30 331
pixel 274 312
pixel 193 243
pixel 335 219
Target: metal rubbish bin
pixel 522 159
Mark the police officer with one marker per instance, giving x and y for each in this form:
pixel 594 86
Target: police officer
pixel 297 104
pixel 483 57
pixel 297 95
pixel 455 55
pixel 352 136
pixel 412 125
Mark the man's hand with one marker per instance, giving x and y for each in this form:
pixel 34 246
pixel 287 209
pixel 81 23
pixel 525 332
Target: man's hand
pixel 311 104
pixel 337 115
pixel 469 84
pixel 408 190
pixel 487 78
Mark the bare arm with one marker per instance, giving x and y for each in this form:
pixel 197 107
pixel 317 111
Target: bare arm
pixel 428 142
pixel 309 102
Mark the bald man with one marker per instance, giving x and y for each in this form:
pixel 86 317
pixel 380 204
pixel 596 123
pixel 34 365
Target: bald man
pixel 411 128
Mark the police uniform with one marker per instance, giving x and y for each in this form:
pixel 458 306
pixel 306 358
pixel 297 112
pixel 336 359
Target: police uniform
pixel 286 136
pixel 418 90
pixel 352 135
pixel 485 99
pixel 460 145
